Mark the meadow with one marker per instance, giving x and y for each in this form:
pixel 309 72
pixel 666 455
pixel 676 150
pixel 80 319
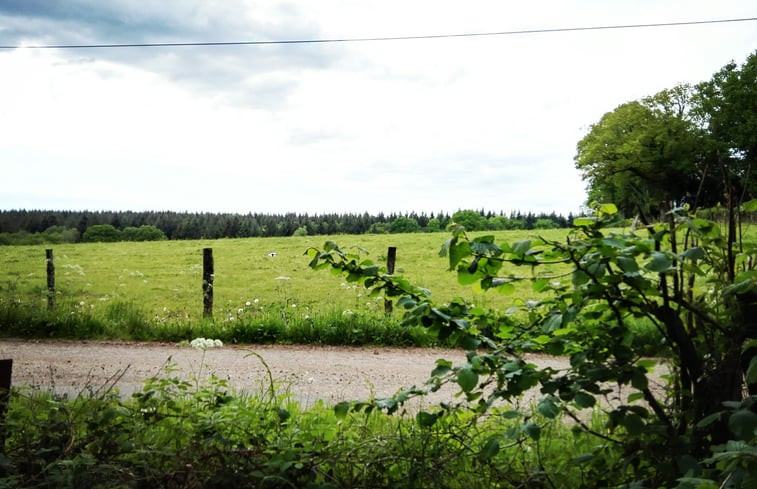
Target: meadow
pixel 154 285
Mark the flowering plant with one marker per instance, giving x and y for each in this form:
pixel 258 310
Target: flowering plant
pixel 205 343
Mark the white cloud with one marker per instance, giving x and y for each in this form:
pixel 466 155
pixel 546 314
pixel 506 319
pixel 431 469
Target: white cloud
pixel 426 125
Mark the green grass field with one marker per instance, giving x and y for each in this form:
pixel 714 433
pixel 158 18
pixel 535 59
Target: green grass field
pixel 164 279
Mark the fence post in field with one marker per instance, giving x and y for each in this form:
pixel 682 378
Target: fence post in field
pixel 6 366
pixel 391 256
pixel 50 278
pixel 207 282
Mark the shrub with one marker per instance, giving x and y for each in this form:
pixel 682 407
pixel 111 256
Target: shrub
pixel 142 233
pixel 104 233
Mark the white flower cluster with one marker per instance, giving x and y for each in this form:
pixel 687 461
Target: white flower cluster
pixel 205 343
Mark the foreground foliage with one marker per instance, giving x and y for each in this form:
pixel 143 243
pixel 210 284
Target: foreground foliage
pixel 695 282
pixel 175 433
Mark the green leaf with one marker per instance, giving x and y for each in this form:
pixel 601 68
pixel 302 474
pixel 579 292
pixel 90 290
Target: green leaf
pixel 609 209
pixel 521 247
pixel 532 430
pixel 579 277
pixel 584 400
pixel 743 423
pixel 639 381
pixel 504 287
pixel 695 253
pixel 634 424
pixel 469 342
pixel 659 263
pixel 553 322
pixel 490 448
pixel 539 284
pixel 464 277
pixel 584 222
pixel 708 420
pixel 484 245
pixel 442 367
pixel 467 379
pixel 510 414
pixel 548 408
pixel 342 408
pixel 738 287
pixel 457 251
pixel 751 372
pixel 750 206
pixel 583 458
pixel 646 363
pixel 627 264
pixel 635 396
pixel 283 414
pixel 387 403
pixel 425 419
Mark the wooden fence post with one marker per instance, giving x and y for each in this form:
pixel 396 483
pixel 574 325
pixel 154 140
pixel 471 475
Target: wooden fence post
pixel 50 279
pixel 6 367
pixel 391 256
pixel 207 282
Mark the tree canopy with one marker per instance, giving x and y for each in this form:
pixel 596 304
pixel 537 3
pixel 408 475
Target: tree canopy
pixel 680 146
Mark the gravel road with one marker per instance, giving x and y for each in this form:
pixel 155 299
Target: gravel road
pixel 308 373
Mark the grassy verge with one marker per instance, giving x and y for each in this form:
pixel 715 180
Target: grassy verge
pixel 176 434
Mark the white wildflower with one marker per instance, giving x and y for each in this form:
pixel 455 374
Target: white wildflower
pixel 205 343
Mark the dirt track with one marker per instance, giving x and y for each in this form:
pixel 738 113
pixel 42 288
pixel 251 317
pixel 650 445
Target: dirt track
pixel 309 373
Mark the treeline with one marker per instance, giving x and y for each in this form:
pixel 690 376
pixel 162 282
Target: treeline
pixel 44 226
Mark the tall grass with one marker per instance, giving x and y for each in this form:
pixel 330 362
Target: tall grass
pixel 152 290
pixel 164 278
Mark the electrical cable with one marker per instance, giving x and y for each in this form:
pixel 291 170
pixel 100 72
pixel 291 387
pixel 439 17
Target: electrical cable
pixel 375 39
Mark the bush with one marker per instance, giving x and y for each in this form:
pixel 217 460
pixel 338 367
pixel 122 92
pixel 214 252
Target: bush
pixel 103 233
pixel 142 233
pixel 404 225
pixel 470 220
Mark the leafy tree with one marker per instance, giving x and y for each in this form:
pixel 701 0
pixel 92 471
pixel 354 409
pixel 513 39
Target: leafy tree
pixel 685 276
pixel 727 105
pixel 404 225
pixel 300 231
pixel 693 145
pixel 142 233
pixel 647 156
pixel 470 220
pixel 545 223
pixel 378 228
pixel 433 225
pixel 105 233
pixel 497 223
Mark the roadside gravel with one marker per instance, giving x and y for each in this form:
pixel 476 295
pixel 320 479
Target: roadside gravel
pixel 307 373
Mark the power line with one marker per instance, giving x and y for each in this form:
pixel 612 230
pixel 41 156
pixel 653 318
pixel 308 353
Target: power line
pixel 376 39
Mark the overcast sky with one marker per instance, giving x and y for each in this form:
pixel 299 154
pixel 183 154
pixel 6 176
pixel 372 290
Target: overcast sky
pixel 379 126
